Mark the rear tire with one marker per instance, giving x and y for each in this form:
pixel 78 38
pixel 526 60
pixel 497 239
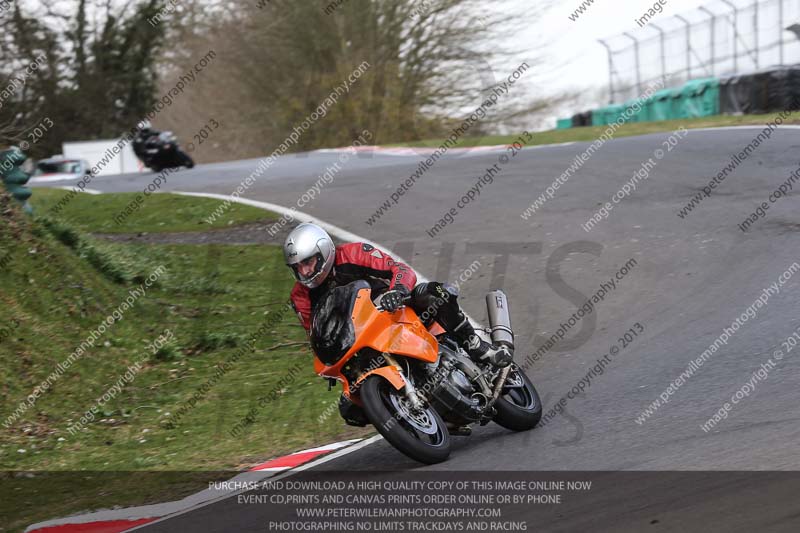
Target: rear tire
pixel 519 407
pixel 397 428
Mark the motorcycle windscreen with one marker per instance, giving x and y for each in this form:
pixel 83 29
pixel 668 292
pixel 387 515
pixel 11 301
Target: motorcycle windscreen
pixel 332 330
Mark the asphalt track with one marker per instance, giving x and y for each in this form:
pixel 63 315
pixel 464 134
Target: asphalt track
pixel 693 277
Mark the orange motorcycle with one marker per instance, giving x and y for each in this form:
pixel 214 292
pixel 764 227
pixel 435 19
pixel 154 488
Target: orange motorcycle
pixel 415 384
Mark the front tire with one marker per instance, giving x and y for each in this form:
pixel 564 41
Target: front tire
pixel 188 162
pixel 421 436
pixel 519 407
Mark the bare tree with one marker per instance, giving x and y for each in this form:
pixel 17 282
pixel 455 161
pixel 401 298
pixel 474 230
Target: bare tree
pixel 429 61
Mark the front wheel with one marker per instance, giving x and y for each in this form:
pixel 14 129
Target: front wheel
pixel 421 435
pixel 518 407
pixel 188 162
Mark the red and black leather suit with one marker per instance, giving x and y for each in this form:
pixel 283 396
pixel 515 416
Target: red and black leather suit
pixel 360 261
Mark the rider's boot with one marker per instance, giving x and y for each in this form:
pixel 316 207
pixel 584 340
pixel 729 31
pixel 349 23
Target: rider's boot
pixel 442 299
pixel 479 350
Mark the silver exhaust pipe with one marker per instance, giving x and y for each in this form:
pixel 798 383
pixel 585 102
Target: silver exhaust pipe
pixel 499 319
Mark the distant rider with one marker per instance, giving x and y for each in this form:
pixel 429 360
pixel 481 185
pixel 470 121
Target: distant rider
pixel 140 141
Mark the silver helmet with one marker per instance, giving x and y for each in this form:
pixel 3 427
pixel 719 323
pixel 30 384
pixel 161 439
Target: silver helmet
pixel 305 242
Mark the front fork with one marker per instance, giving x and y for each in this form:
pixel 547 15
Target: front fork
pixel 410 390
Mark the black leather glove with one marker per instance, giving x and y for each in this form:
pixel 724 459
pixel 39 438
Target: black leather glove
pixel 392 300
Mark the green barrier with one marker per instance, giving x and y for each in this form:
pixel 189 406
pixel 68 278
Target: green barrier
pixel 700 98
pixel 633 116
pixel 14 177
pixel 636 116
pixel 678 104
pixel 599 116
pixel 646 114
pixel 662 107
pixel 697 98
pixel 615 112
pixel 607 115
pixel 564 123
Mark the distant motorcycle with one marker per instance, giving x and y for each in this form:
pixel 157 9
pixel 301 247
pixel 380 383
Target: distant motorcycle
pixel 162 151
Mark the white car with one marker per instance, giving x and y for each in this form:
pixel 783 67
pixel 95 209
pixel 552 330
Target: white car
pixel 59 169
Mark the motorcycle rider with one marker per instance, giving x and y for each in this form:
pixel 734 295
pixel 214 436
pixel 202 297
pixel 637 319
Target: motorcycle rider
pixel 319 265
pixel 140 141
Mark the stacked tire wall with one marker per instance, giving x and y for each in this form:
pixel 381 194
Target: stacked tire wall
pixel 766 91
pixel 762 92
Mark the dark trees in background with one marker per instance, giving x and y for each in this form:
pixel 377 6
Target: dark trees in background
pixel 106 62
pixel 95 75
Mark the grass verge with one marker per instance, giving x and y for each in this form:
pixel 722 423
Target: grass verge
pixel 229 341
pixel 156 213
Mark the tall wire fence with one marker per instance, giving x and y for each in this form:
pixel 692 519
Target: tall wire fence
pixel 721 38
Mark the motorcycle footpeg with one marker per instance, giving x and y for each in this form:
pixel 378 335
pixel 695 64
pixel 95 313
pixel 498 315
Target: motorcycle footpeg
pixel 352 414
pixel 488 416
pixel 359 423
pixel 459 431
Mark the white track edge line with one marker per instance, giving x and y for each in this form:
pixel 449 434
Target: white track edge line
pixel 341 233
pixel 87 191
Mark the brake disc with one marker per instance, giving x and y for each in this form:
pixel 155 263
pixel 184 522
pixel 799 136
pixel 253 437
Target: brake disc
pixel 421 420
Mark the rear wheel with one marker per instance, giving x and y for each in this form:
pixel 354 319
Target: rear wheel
pixel 421 435
pixel 518 407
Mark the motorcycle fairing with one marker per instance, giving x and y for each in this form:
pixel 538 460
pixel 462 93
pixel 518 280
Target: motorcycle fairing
pixel 357 324
pixel 332 330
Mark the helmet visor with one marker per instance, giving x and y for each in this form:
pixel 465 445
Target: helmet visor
pixel 309 268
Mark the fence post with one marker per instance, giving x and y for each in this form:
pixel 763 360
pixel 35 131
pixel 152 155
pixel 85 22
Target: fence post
pixel 713 59
pixel 663 55
pixel 735 34
pixel 638 65
pixel 755 31
pixel 780 35
pixel 610 71
pixel 688 46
